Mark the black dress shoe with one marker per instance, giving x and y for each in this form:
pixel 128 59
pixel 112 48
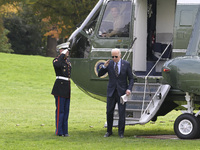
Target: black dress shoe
pixel 121 136
pixel 107 134
pixel 60 135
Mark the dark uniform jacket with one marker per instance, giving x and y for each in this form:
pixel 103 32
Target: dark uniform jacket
pixel 121 82
pixel 62 68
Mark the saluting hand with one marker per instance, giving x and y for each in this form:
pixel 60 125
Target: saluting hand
pixel 107 62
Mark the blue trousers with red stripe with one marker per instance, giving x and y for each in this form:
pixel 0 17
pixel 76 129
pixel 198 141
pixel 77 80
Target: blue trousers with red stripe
pixel 62 114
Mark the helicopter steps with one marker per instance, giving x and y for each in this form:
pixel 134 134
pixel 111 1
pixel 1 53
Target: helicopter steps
pixel 140 107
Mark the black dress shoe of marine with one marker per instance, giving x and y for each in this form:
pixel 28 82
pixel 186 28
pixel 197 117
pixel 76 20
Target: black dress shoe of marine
pixel 121 136
pixel 107 134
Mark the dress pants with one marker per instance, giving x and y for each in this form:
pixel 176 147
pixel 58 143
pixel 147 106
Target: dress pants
pixel 111 102
pixel 62 114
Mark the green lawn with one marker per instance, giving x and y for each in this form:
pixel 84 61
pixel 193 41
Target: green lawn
pixel 27 114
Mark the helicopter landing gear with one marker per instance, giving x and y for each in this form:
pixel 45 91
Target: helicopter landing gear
pixel 186 126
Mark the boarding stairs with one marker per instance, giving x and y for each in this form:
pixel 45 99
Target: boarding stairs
pixel 143 103
pixel 145 99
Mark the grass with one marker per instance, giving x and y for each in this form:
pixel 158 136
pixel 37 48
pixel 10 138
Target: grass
pixel 27 114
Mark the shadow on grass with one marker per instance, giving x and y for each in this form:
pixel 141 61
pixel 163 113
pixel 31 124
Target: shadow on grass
pixel 87 134
pixel 82 133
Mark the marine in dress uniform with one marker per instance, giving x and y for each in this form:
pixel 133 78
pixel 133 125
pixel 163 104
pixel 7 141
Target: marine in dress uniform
pixel 61 91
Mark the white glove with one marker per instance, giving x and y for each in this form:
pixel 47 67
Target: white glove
pixel 65 51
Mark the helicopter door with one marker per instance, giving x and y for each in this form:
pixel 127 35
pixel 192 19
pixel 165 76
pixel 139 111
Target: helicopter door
pixel 140 31
pixel 154 31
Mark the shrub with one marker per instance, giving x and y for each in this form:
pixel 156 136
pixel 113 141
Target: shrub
pixel 5 46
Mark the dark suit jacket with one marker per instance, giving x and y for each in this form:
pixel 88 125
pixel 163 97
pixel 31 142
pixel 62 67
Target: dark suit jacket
pixel 62 68
pixel 121 82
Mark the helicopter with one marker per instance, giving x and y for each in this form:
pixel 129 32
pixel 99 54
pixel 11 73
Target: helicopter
pixel 161 40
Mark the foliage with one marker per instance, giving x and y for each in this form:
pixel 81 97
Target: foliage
pixel 5 46
pixel 63 15
pixel 8 9
pixel 25 32
pixel 30 20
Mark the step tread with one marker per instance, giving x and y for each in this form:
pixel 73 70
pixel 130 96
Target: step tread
pixel 142 92
pixel 138 101
pixel 127 118
pixel 134 110
pixel 136 83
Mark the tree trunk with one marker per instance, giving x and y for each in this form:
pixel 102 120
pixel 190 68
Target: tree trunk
pixel 51 47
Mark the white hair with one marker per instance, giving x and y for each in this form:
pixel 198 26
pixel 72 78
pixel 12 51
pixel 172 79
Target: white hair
pixel 116 49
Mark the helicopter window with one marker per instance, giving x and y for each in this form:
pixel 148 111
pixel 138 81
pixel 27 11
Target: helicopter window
pixel 89 28
pixel 80 45
pixel 116 20
pixel 186 18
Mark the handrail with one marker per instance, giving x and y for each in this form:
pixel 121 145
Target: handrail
pixel 146 77
pixel 129 50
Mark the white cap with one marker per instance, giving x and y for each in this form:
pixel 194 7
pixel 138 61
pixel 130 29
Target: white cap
pixel 65 51
pixel 63 46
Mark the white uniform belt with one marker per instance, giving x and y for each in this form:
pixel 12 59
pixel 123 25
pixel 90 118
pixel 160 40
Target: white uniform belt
pixel 63 78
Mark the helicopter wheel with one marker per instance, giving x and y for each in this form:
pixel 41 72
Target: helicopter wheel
pixel 186 126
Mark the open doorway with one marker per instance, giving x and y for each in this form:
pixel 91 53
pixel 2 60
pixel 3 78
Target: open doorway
pixel 154 30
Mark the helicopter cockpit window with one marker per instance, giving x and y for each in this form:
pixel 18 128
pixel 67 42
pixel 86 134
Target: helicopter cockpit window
pixel 116 20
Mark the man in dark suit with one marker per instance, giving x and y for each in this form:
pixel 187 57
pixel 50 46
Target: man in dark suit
pixel 119 72
pixel 61 90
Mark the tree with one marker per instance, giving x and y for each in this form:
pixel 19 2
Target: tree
pixel 61 16
pixel 25 32
pixel 5 46
pixel 64 14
